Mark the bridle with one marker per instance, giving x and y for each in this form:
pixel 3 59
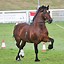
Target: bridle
pixel 48 12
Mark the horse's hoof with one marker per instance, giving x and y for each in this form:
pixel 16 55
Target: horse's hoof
pixel 37 60
pixel 50 47
pixel 18 58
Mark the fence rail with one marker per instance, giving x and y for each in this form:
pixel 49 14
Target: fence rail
pixel 27 15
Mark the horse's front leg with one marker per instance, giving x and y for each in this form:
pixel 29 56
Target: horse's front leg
pixel 36 51
pixel 51 44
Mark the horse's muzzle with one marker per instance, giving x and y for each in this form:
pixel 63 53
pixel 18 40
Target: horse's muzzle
pixel 50 21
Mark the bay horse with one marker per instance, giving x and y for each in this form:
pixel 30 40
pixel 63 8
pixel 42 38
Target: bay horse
pixel 35 33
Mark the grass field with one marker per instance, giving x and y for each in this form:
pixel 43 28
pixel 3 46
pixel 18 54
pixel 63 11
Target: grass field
pixel 55 56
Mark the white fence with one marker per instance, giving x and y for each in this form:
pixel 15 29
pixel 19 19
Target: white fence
pixel 57 14
pixel 13 16
pixel 27 15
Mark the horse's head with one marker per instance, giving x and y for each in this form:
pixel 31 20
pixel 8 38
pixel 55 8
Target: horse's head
pixel 46 13
pixel 43 13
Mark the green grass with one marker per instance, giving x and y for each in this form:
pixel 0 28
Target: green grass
pixel 7 55
pixel 29 4
pixel 57 33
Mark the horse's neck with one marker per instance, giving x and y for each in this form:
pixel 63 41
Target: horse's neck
pixel 37 20
pixel 40 24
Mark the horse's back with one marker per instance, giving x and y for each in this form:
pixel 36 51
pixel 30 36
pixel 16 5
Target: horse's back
pixel 20 25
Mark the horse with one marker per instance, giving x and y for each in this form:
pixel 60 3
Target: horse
pixel 34 33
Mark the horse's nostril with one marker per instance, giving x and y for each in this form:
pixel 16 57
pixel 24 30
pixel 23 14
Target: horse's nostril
pixel 50 20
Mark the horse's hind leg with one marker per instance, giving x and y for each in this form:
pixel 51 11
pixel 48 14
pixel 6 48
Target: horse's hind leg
pixel 18 45
pixel 21 52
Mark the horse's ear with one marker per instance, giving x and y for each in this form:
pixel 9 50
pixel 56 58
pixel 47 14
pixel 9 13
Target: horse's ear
pixel 47 7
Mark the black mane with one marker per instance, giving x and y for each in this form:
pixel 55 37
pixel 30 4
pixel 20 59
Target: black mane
pixel 42 7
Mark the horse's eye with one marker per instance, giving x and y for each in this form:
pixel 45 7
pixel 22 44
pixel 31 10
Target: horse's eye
pixel 49 12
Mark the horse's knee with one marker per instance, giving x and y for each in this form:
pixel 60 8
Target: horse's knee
pixel 51 45
pixel 52 40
